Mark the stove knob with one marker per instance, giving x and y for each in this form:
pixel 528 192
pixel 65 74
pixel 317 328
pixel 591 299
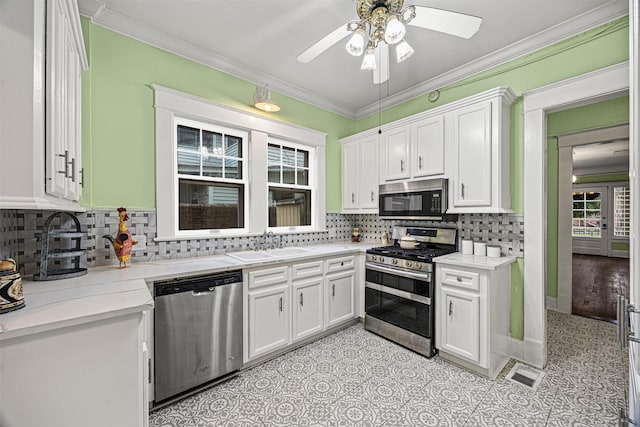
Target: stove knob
pixel 374 258
pixel 380 259
pixel 418 266
pixel 394 262
pixel 408 263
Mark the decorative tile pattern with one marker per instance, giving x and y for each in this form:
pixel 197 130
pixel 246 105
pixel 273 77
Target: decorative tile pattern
pixel 355 378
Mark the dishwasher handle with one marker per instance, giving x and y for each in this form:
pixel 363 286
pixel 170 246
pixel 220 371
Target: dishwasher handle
pixel 201 285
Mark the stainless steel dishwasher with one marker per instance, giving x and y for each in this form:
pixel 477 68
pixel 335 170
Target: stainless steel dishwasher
pixel 197 331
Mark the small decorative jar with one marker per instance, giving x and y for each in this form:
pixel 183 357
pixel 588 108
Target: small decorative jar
pixel 355 236
pixel 11 297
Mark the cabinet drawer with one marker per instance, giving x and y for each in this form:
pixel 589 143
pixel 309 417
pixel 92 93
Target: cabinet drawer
pixel 307 269
pixel 461 279
pixel 269 276
pixel 341 263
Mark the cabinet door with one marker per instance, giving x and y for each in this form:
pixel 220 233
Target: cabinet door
pixel 340 297
pixel 307 307
pixel 472 145
pixel 428 146
pixel 460 323
pixel 395 153
pixel 350 162
pixel 369 173
pixel 268 320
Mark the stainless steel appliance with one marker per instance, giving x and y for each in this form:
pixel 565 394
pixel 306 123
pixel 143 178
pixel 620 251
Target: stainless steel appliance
pixel 197 331
pixel 417 200
pixel 399 287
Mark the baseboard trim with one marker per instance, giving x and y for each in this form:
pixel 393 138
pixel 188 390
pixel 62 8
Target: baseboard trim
pixel 528 351
pixel 552 303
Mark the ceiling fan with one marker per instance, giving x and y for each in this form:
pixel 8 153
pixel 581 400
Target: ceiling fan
pixel 383 22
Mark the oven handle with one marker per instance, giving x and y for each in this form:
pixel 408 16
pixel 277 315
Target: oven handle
pixel 398 293
pixel 396 272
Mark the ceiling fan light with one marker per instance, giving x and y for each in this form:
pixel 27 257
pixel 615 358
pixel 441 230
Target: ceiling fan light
pixel 369 61
pixel 262 100
pixel 403 51
pixel 355 45
pixel 395 30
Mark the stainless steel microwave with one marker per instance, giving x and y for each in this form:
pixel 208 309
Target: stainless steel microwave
pixel 419 200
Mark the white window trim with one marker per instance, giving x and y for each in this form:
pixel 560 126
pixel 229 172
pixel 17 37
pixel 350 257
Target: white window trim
pixel 171 104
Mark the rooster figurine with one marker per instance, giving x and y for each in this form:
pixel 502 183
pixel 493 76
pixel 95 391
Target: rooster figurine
pixel 123 242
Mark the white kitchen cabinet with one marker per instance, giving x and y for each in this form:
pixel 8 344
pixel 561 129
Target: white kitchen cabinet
pixel 268 319
pixel 427 147
pixel 41 108
pixel 394 152
pixel 472 313
pixel 340 297
pixel 360 175
pixel 307 307
pixel 478 136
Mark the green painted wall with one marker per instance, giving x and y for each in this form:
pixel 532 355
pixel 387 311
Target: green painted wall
pixel 119 118
pixel 603 114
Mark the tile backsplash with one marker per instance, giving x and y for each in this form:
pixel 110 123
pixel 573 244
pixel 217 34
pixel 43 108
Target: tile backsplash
pixel 21 235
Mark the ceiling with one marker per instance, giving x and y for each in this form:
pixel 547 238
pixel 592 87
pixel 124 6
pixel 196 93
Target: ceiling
pixel 258 40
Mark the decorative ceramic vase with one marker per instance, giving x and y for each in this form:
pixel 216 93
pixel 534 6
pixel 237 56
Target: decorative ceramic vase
pixel 11 297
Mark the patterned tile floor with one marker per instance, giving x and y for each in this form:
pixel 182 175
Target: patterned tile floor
pixel 355 378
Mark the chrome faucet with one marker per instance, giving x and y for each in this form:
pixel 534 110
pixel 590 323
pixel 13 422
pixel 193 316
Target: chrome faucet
pixel 282 241
pixel 261 242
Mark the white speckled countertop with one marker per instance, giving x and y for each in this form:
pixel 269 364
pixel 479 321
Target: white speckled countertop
pixel 106 292
pixel 475 261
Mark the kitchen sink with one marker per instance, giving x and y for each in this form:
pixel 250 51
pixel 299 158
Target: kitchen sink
pixel 251 255
pixel 290 251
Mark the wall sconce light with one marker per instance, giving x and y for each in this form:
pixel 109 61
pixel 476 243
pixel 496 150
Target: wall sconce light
pixel 262 100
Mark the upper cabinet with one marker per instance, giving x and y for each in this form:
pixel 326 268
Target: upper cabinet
pixel 41 109
pixel 360 174
pixel 478 140
pixel 395 153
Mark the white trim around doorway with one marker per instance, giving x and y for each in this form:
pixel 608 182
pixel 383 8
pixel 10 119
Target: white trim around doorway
pixel 585 89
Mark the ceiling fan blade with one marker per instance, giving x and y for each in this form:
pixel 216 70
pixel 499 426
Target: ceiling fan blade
pixel 324 44
pixel 445 21
pixel 381 74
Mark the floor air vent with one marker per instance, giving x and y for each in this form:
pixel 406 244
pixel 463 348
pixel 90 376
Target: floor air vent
pixel 525 375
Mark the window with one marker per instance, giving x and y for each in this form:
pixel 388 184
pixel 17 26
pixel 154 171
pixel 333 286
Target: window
pixel 210 168
pixel 586 214
pixel 621 211
pixel 288 174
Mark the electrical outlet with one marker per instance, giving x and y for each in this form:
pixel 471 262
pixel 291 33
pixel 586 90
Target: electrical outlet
pixel 332 232
pixel 142 242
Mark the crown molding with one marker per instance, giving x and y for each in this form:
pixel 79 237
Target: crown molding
pixel 113 21
pixel 104 17
pixel 574 26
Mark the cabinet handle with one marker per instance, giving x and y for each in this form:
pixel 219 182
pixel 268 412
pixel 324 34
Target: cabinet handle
pixel 401 165
pixel 420 162
pixel 82 178
pixel 280 304
pixel 450 308
pixel 353 198
pixel 462 190
pixel 73 170
pixel 301 299
pixel 333 290
pixel 66 163
pixel 372 196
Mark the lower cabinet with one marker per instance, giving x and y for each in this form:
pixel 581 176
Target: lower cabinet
pixel 460 323
pixel 292 302
pixel 340 297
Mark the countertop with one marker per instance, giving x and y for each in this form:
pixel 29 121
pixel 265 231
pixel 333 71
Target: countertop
pixel 106 292
pixel 474 261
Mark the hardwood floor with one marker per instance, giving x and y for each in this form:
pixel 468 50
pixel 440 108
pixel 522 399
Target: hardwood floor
pixel 597 281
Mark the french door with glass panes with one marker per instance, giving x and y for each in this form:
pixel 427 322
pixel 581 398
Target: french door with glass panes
pixel 590 221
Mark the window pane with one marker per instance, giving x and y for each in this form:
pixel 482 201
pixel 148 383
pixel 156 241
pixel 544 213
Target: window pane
pixel 578 196
pixel 232 146
pixel 232 169
pixel 593 196
pixel 274 173
pixel 207 205
pixel 578 205
pixel 288 156
pixel 212 166
pixel 273 154
pixel 621 211
pixel 212 142
pixel 289 207
pixel 189 162
pixel 188 138
pixel 302 159
pixel 303 177
pixel 288 175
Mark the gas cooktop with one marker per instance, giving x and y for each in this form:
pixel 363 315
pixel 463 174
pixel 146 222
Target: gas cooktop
pixel 424 252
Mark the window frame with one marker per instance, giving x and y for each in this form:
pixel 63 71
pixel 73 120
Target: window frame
pixel 170 105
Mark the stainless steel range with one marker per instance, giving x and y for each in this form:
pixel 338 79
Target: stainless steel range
pixel 399 287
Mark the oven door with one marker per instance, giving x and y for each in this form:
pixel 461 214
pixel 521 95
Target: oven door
pixel 407 311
